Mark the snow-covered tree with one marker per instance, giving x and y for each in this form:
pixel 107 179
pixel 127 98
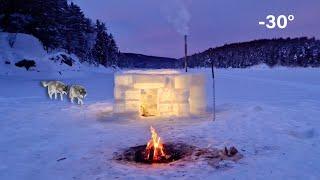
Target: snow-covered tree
pixel 76 31
pixel 100 48
pixel 113 51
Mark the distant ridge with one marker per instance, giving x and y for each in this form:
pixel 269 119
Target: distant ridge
pixel 294 52
pixel 132 60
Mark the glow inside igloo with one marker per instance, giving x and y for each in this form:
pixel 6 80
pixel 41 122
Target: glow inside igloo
pixel 160 93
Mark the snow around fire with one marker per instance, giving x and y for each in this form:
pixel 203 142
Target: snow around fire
pixel 269 115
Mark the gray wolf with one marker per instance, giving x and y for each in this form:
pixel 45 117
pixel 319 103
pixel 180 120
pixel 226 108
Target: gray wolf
pixel 79 92
pixel 55 87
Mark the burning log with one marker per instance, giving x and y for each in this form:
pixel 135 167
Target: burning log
pixel 154 149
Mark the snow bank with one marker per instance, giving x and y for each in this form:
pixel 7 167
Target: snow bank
pixel 27 47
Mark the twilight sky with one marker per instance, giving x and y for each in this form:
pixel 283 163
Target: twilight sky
pixel 152 27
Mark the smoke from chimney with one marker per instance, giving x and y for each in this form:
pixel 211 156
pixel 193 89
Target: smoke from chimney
pixel 178 14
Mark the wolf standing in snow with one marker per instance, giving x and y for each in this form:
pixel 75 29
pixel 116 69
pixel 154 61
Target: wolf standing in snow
pixel 55 87
pixel 78 92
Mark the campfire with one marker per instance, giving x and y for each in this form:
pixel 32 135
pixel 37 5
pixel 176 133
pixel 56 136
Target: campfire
pixel 155 151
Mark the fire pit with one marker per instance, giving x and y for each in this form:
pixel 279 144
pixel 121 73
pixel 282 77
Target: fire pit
pixel 173 151
pixel 157 152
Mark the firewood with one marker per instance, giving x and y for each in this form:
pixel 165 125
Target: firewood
pixel 61 159
pixel 226 151
pixel 233 151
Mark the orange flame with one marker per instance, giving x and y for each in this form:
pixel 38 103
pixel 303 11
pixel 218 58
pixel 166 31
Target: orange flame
pixel 155 145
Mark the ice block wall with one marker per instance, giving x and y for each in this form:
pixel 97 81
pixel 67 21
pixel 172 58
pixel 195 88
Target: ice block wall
pixel 160 94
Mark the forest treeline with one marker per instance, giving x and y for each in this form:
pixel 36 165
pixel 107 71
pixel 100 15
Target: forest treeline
pixel 303 52
pixel 60 25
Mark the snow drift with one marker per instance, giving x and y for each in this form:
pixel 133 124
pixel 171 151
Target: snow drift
pixel 21 48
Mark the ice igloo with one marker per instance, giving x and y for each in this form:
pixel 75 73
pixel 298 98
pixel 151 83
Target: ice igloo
pixel 160 93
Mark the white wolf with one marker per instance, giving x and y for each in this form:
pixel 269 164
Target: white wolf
pixel 55 87
pixel 78 92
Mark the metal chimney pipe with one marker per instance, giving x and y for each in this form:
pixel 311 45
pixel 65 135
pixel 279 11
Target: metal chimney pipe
pixel 185 53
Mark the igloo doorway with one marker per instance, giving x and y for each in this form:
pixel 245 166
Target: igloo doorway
pixel 159 93
pixel 148 102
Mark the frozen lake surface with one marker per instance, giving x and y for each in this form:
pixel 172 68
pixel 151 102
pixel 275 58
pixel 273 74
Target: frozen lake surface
pixel 270 115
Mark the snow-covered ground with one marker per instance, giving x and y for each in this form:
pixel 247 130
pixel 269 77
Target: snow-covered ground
pixel 270 115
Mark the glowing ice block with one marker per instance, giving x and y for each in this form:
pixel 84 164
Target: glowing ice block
pixel 160 93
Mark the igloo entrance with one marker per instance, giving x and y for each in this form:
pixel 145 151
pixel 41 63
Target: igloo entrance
pixel 160 93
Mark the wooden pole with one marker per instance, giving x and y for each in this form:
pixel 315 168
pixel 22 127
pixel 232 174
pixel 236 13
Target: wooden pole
pixel 213 92
pixel 185 53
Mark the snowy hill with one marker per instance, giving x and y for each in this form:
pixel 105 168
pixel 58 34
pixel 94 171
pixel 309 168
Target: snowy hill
pixel 29 49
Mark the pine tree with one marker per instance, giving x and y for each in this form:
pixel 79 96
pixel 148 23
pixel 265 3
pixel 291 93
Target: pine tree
pixel 100 48
pixel 113 51
pixel 14 15
pixel 48 21
pixel 76 30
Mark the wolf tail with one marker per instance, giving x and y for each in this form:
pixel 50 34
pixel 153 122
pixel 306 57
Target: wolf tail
pixel 44 83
